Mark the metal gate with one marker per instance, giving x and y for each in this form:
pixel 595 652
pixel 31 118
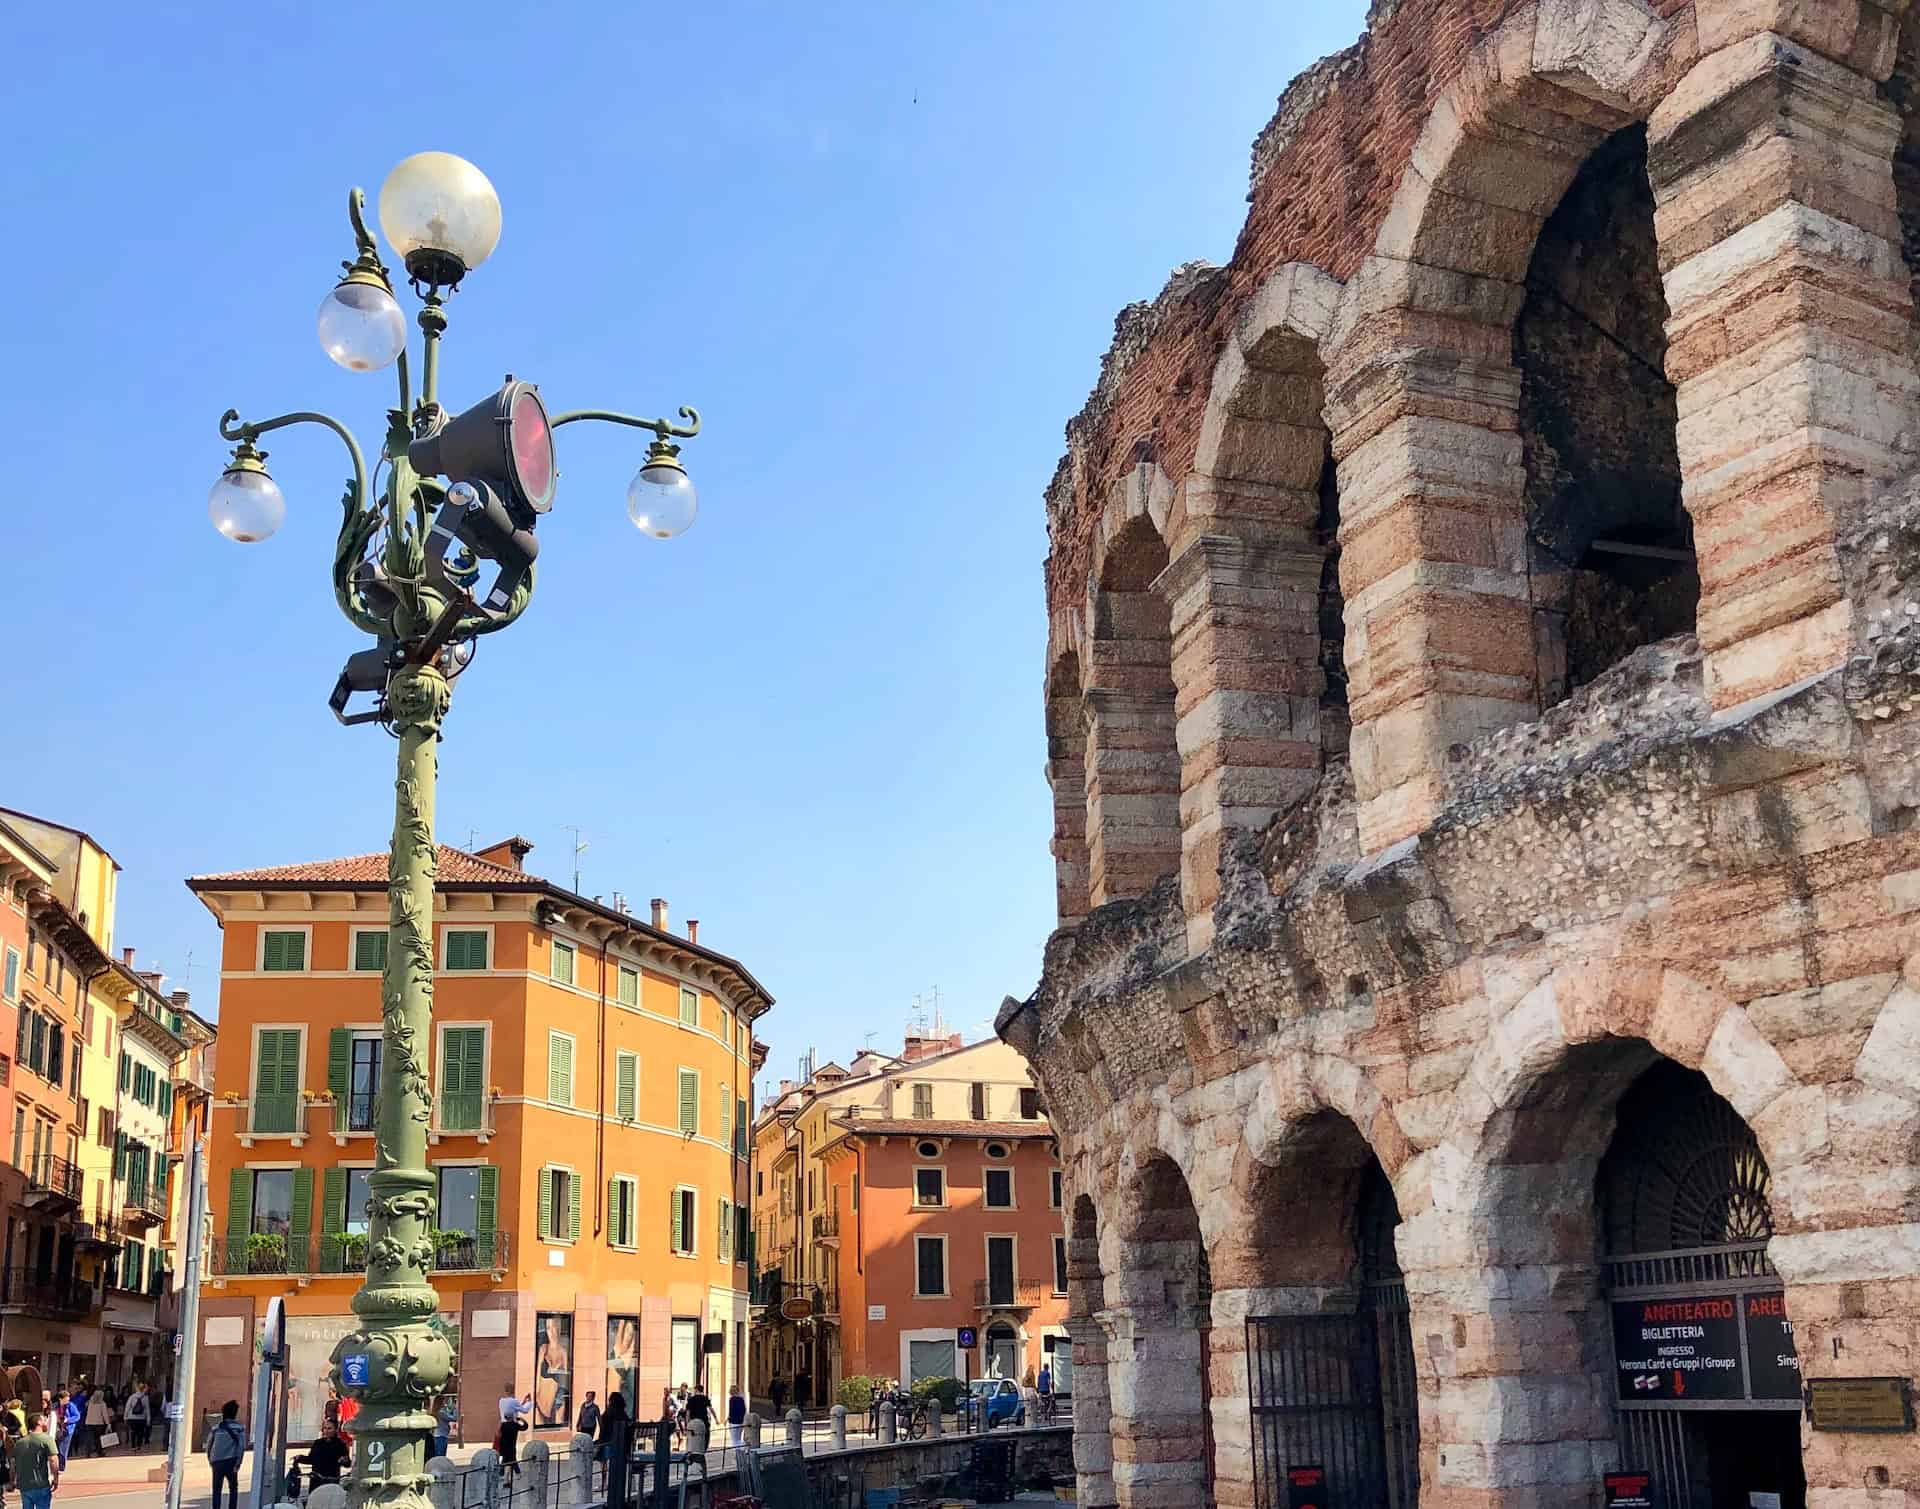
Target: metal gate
pixel 1315 1387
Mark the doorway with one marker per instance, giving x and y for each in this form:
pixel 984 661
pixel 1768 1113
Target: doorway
pixel 1707 1382
pixel 685 1359
pixel 1003 1351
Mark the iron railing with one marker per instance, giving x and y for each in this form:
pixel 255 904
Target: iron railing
pixel 357 1111
pixel 48 1175
pixel 63 1294
pixel 826 1226
pixel 1316 1403
pixel 334 1252
pixel 1700 1270
pixel 1005 1294
pixel 145 1199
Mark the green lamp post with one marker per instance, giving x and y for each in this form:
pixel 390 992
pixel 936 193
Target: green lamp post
pixel 463 493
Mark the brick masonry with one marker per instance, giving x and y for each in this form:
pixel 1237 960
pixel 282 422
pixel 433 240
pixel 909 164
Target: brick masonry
pixel 1539 859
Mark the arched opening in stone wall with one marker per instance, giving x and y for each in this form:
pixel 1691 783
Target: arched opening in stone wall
pixel 1902 92
pixel 1132 763
pixel 1067 778
pixel 1623 1164
pixel 1707 1381
pixel 1162 1296
pixel 1336 723
pixel 1610 547
pixel 1084 1378
pixel 1330 1378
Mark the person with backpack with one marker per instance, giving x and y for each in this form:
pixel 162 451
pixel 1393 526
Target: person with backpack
pixel 139 1413
pixel 226 1445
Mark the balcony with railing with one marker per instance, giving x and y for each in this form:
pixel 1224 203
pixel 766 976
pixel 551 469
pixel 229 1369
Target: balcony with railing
pixel 144 1204
pixel 1005 1294
pixel 52 1182
pixel 44 1292
pixel 356 1111
pixel 826 1226
pixel 264 1253
pixel 463 1114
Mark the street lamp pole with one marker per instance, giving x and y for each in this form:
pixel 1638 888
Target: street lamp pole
pixel 459 492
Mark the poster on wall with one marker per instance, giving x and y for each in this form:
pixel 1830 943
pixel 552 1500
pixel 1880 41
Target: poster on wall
pixel 310 1342
pixel 623 1360
pixel 552 1368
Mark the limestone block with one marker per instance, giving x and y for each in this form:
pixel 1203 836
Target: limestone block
pixel 1595 47
pixel 1890 1060
pixel 1794 1127
pixel 1744 1066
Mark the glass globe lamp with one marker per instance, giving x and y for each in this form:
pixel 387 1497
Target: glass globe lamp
pixel 246 504
pixel 661 499
pixel 361 326
pixel 441 215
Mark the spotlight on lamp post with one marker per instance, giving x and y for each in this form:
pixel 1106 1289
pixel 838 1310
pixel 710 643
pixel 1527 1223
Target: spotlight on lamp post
pixel 460 493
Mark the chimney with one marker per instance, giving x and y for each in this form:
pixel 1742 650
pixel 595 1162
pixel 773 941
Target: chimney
pixel 126 957
pixel 511 852
pixel 620 901
pixel 180 998
pixel 660 913
pixel 693 929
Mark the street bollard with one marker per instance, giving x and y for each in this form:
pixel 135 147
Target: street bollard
pixel 486 1462
pixel 328 1496
pixel 793 1427
pixel 576 1479
pixel 753 1430
pixel 933 1419
pixel 887 1432
pixel 536 1468
pixel 837 1426
pixel 444 1491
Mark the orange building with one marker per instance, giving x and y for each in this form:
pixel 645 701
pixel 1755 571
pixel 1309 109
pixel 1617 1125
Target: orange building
pixel 591 1078
pixel 898 1201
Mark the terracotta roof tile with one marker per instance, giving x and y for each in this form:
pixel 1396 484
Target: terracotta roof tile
pixel 457 867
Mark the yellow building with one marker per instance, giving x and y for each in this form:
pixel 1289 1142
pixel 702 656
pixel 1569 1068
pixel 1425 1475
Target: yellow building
pixel 591 1078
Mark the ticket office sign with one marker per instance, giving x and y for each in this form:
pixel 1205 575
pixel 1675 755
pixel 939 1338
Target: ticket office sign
pixel 1704 1349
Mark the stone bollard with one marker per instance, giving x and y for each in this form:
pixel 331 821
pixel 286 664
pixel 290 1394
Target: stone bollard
pixel 837 1426
pixel 752 1434
pixel 328 1496
pixel 536 1467
pixel 576 1475
pixel 485 1469
pixel 933 1419
pixel 887 1433
pixel 793 1427
pixel 444 1491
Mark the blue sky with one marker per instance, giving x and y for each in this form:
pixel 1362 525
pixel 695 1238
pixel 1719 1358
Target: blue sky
pixel 880 246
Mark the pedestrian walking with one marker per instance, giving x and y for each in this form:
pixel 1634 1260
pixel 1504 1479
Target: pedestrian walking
pixel 1045 1389
pixel 139 1417
pixel 226 1445
pixel 443 1420
pixel 736 1415
pixel 588 1421
pixel 99 1422
pixel 35 1463
pixel 699 1411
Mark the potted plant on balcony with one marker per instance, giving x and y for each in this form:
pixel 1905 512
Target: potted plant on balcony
pixel 353 1250
pixel 266 1252
pixel 453 1249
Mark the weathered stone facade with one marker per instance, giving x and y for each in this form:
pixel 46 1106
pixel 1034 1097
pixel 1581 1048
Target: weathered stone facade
pixel 1555 328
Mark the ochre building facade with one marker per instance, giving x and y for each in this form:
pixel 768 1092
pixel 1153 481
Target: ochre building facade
pixel 1483 1029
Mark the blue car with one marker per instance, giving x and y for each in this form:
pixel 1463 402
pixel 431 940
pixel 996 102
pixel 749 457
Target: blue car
pixel 999 1401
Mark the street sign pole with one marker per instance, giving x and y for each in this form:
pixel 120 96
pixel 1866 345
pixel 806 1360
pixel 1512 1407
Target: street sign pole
pixel 180 1422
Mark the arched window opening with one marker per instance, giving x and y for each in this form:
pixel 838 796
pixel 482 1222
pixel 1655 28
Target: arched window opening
pixel 1902 92
pixel 1166 1418
pixel 1335 723
pixel 1706 1378
pixel 1067 778
pixel 1610 546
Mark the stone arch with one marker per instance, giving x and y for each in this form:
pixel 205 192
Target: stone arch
pixel 1067 779
pixel 1423 394
pixel 1132 763
pixel 1261 684
pixel 1092 1407
pixel 1158 1320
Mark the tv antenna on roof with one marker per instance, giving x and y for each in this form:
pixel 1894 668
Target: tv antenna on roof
pixel 579 848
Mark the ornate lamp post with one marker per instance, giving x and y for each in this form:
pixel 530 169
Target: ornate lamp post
pixel 461 492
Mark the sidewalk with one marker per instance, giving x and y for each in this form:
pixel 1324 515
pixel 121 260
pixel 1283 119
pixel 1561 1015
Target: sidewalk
pixel 146 1472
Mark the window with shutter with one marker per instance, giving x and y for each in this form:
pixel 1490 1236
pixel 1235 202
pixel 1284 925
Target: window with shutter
pixel 978 1102
pixel 740 1235
pixel 339 1070
pixel 626 1085
pixel 740 1127
pixel 629 991
pixel 999 1189
pixel 689 1101
pixel 370 949
pixel 726 1114
pixel 573 1207
pixel 562 969
pixel 689 1005
pixel 677 1209
pixel 929 1186
pixel 923 1102
pixel 466 948
pixel 276 1079
pixel 126 1071
pixel 1059 1265
pixel 486 1205
pixel 546 1205
pixel 559 1068
pixel 333 1220
pixel 283 950
pixel 463 1053
pixel 726 1233
pixel 301 1225
pixel 12 982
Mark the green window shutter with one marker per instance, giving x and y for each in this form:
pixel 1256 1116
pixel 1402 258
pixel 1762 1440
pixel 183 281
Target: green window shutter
pixel 239 1202
pixel 466 949
pixel 726 1231
pixel 626 1089
pixel 562 968
pixel 119 1155
pixel 126 1071
pixel 613 1211
pixel 486 1204
pixel 284 951
pixel 740 1126
pixel 277 1081
pixel 333 1201
pixel 726 1113
pixel 302 1222
pixel 546 1204
pixel 679 1226
pixel 689 1101
pixel 629 986
pixel 339 1060
pixel 370 949
pixel 689 1005
pixel 463 1052
pixel 573 1207
pixel 560 1069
